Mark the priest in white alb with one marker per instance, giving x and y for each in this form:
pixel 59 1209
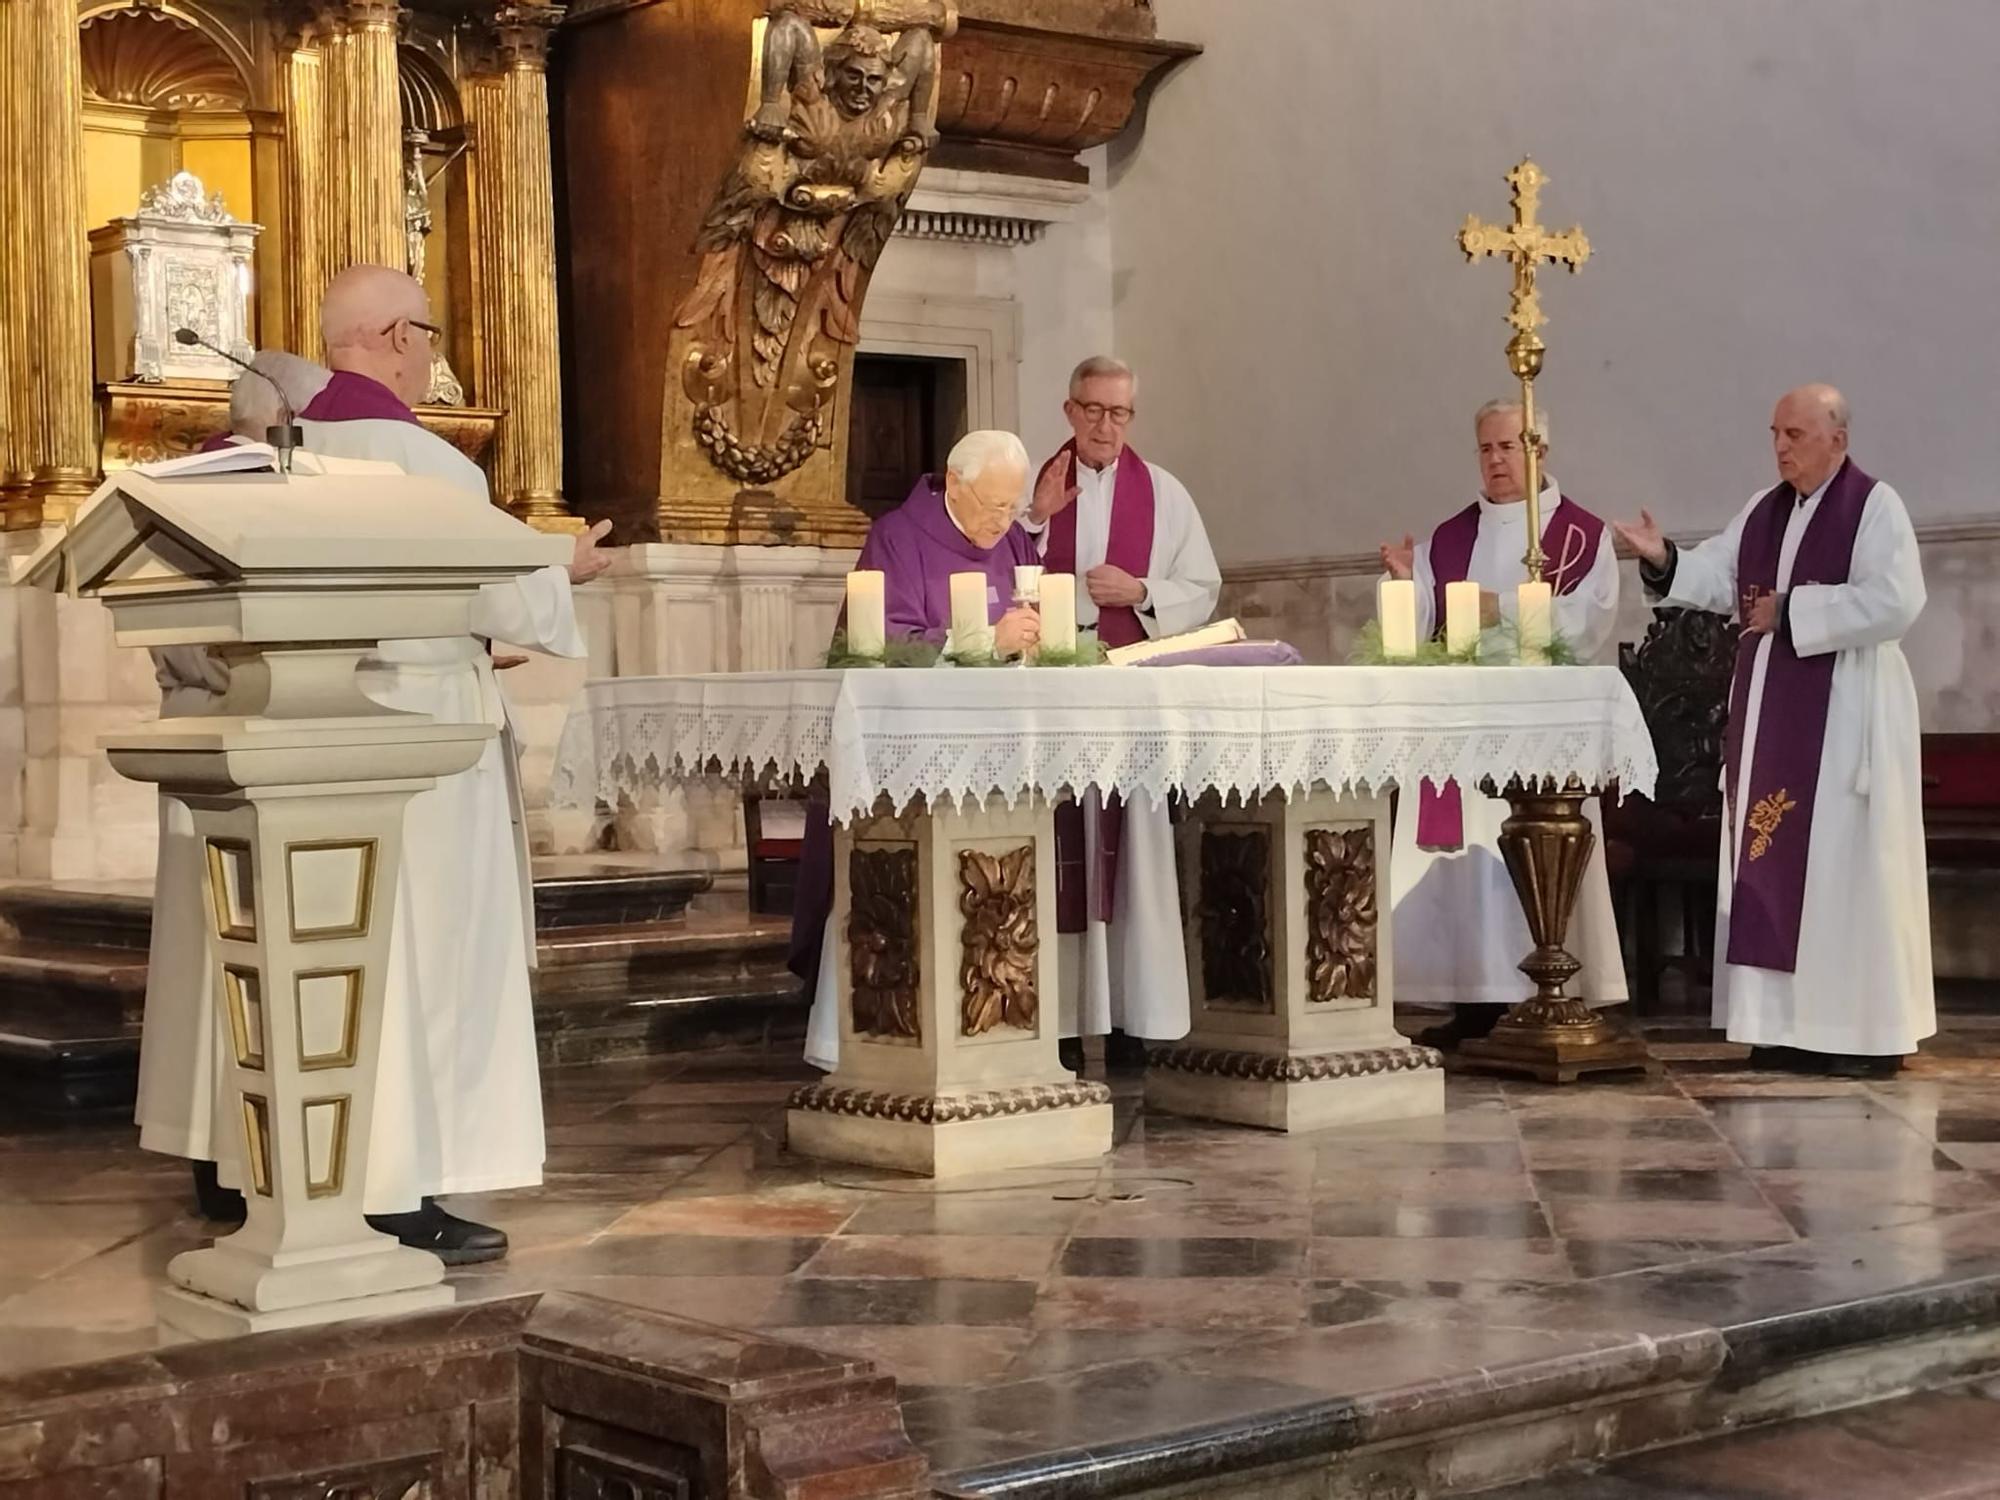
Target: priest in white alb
pixel 458 1097
pixel 1460 932
pixel 1130 533
pixel 1823 953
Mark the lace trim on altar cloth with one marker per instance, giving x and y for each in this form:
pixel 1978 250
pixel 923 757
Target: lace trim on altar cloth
pixel 627 753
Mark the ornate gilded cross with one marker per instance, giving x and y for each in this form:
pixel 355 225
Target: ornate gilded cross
pixel 1526 244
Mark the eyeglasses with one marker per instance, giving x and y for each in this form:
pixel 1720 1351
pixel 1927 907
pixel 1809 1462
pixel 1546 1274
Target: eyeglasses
pixel 436 333
pixel 1097 411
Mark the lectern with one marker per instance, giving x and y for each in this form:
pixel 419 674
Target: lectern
pixel 298 788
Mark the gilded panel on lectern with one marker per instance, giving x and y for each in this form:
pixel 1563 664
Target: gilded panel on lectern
pixel 325 1122
pixel 843 114
pixel 243 993
pixel 257 1143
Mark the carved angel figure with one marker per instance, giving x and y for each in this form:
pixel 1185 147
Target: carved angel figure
pixel 997 972
pixel 829 158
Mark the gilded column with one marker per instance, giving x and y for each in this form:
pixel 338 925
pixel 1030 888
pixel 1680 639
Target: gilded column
pixel 45 295
pixel 508 108
pixel 304 68
pixel 18 405
pixel 364 156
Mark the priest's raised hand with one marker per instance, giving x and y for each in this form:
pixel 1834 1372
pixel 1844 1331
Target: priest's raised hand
pixel 1400 562
pixel 1644 537
pixel 589 559
pixel 1055 490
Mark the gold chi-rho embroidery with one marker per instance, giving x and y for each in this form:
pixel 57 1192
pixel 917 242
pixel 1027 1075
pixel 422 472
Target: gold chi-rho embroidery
pixel 1765 818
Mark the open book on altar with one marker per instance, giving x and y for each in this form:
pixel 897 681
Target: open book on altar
pixel 1221 633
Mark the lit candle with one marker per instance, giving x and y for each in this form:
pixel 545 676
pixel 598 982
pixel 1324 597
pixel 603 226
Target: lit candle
pixel 1461 617
pixel 1534 613
pixel 867 630
pixel 1027 582
pixel 1059 612
pixel 1396 606
pixel 971 625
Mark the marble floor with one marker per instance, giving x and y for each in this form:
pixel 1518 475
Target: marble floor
pixel 1201 1275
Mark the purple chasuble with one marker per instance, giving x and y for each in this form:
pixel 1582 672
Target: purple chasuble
pixel 349 397
pixel 1129 547
pixel 1570 541
pixel 916 547
pixel 1782 780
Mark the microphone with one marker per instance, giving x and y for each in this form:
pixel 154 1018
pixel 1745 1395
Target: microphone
pixel 284 437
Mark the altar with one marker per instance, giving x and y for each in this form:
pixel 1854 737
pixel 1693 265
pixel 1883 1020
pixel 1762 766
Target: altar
pixel 943 782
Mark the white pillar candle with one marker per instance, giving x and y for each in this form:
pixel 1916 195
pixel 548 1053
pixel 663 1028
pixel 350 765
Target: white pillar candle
pixel 1396 607
pixel 971 626
pixel 1059 612
pixel 1534 616
pixel 1027 582
pixel 867 628
pixel 1461 617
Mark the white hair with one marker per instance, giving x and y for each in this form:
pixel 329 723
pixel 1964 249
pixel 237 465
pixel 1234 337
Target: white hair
pixel 1101 367
pixel 977 452
pixel 253 401
pixel 1511 403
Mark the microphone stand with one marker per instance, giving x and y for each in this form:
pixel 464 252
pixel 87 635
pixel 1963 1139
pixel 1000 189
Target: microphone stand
pixel 285 437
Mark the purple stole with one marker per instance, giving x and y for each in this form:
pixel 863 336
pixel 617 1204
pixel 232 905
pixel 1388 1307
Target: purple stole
pixel 1782 781
pixel 1130 546
pixel 1570 539
pixel 349 397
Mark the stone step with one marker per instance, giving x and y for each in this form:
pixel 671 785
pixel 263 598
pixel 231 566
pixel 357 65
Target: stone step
pixel 662 979
pixel 567 894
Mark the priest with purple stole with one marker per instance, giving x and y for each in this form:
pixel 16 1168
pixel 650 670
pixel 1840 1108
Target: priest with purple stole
pixel 1823 954
pixel 458 1094
pixel 1129 532
pixel 961 522
pixel 1460 933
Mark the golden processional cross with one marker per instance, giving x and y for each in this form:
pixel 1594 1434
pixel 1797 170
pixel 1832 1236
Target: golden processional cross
pixel 1527 244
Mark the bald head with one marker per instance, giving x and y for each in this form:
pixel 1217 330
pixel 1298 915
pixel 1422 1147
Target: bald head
pixel 375 323
pixel 1809 436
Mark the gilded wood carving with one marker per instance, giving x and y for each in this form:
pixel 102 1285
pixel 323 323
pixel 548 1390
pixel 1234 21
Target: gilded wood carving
pixel 999 942
pixel 882 942
pixel 1341 920
pixel 761 345
pixel 1235 917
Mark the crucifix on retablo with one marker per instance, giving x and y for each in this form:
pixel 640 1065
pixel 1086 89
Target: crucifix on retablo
pixel 1526 244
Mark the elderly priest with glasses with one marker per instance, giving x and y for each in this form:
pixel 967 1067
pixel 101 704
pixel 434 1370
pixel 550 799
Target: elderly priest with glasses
pixel 1130 533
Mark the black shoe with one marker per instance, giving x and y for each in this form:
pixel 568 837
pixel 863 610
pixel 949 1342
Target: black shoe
pixel 213 1201
pixel 1122 1051
pixel 1467 1023
pixel 455 1241
pixel 1782 1060
pixel 1069 1052
pixel 1848 1065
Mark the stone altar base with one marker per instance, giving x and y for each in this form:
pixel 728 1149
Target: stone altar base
pixel 948 1022
pixel 1290 971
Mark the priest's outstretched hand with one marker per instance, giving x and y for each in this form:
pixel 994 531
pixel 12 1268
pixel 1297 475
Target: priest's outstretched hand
pixel 1016 631
pixel 589 559
pixel 1644 537
pixel 1054 490
pixel 1400 562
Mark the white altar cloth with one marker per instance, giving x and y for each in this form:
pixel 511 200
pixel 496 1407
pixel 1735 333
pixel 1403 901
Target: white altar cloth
pixel 1140 731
